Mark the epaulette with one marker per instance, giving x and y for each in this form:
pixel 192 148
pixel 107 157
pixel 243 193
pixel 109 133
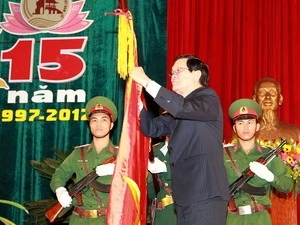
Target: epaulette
pixel 228 145
pixel 80 146
pixel 114 149
pixel 259 148
pixel 157 144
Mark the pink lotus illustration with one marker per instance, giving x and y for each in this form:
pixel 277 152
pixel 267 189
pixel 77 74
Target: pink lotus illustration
pixel 74 22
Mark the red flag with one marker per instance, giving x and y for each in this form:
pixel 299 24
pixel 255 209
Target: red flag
pixel 128 194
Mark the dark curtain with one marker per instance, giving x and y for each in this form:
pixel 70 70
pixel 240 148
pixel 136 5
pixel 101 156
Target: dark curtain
pixel 241 41
pixel 21 142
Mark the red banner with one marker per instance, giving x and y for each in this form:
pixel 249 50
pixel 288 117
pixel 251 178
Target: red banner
pixel 128 199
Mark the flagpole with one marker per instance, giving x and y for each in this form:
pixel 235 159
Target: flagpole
pixel 123 5
pixel 128 193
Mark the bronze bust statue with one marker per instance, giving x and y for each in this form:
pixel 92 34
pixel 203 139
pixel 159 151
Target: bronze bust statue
pixel 267 93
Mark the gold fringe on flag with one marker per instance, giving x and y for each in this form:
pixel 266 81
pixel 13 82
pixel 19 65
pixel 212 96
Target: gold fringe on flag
pixel 126 45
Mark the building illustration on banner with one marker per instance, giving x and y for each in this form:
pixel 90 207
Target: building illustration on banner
pixel 45 14
pixel 59 59
pixel 50 5
pixel 50 16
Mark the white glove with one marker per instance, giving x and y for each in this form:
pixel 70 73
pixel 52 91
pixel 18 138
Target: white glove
pixel 105 169
pixel 157 166
pixel 63 197
pixel 262 171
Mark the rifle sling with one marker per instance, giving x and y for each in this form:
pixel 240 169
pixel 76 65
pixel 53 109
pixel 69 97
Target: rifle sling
pixel 98 199
pixel 252 190
pixel 163 185
pixel 233 162
pixel 99 186
pixel 94 184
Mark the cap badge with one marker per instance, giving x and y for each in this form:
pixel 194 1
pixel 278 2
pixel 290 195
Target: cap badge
pixel 243 110
pixel 99 107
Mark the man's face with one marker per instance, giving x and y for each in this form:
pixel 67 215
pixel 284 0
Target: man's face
pixel 268 96
pixel 183 81
pixel 100 125
pixel 246 129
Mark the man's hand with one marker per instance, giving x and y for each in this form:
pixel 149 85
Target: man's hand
pixel 262 171
pixel 63 197
pixel 139 76
pixel 157 166
pixel 105 169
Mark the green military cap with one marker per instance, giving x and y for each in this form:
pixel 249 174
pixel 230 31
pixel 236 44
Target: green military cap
pixel 245 108
pixel 101 104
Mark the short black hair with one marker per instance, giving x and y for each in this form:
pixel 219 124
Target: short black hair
pixel 194 63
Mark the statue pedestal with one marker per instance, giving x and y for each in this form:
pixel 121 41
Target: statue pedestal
pixel 284 208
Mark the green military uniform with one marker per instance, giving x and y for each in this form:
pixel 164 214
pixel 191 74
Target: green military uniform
pixel 73 164
pixel 167 215
pixel 282 182
pixel 249 109
pixel 85 159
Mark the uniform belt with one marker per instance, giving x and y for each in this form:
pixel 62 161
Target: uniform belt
pixel 94 213
pixel 248 209
pixel 168 200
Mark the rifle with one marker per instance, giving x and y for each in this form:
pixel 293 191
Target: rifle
pixel 75 191
pixel 153 210
pixel 247 174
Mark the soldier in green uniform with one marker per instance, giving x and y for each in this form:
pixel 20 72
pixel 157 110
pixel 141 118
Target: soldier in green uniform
pixel 91 207
pixel 162 207
pixel 252 208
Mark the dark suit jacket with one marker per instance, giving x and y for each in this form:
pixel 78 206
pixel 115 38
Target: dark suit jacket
pixel 195 127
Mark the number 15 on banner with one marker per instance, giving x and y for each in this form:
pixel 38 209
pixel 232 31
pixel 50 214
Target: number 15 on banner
pixel 58 62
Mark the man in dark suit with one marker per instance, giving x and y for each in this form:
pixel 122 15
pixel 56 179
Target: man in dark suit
pixel 195 126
